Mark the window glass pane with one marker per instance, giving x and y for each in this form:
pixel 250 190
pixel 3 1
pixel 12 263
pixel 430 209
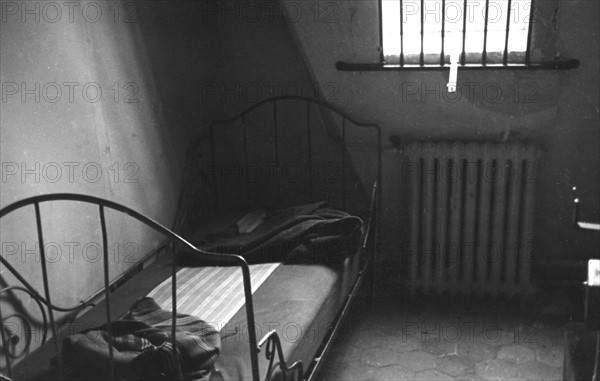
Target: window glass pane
pixel 432 38
pixel 412 26
pixel 498 10
pixel 390 11
pixel 519 27
pixel 454 27
pixel 475 30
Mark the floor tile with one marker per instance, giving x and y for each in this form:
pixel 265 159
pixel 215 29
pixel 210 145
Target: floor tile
pixel 536 370
pixel 432 375
pixel 379 357
pixel 394 373
pixel 494 369
pixel 516 354
pixel 455 366
pixel 552 356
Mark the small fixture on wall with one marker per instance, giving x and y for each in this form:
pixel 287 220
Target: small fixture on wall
pixel 453 73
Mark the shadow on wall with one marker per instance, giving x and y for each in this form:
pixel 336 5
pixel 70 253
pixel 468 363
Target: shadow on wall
pixel 84 111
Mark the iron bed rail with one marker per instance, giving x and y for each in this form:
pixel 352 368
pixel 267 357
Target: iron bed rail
pixel 211 259
pixel 369 244
pixel 341 140
pixel 272 343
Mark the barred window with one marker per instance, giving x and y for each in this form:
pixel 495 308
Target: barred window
pixel 472 32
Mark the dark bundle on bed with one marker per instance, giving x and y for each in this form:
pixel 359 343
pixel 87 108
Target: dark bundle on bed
pixel 311 233
pixel 142 347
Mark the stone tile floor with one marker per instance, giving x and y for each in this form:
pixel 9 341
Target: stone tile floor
pixel 446 340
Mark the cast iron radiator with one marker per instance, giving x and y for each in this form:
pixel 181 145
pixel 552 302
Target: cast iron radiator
pixel 471 217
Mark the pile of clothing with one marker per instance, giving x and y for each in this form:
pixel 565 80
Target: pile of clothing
pixel 143 348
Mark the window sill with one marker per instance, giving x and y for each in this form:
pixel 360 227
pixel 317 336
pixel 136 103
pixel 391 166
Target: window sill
pixel 563 64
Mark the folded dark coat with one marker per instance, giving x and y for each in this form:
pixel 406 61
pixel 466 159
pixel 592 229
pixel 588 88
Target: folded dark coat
pixel 142 347
pixel 311 233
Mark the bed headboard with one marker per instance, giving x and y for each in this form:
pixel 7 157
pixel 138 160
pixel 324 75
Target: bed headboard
pixel 281 151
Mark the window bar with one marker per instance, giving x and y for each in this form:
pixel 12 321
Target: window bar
pixel 505 59
pixel 421 56
pixel 276 142
pixel 211 134
pixel 275 134
pixel 529 34
pixel 344 163
pixel 5 346
pixel 401 33
pixel 38 221
pixel 245 155
pixel 252 342
pixel 381 56
pixel 442 58
pixel 310 169
pixel 485 33
pixel 174 319
pixel 464 34
pixel 245 140
pixel 107 293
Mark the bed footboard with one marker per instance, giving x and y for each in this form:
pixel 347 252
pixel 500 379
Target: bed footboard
pixel 48 308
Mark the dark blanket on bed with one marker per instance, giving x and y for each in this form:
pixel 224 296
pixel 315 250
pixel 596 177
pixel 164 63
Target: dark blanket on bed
pixel 311 233
pixel 142 347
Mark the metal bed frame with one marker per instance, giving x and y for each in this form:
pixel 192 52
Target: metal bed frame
pixel 277 364
pixel 196 152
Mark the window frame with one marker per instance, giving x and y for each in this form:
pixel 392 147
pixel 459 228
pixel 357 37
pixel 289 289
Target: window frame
pixel 382 65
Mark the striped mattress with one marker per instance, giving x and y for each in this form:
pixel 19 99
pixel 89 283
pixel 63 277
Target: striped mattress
pixel 198 296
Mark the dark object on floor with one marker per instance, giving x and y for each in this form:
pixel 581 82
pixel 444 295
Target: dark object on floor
pixel 592 308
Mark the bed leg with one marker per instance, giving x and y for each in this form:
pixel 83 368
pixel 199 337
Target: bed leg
pixel 278 368
pixel 371 284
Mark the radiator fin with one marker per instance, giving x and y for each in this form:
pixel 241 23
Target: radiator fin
pixel 471 217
